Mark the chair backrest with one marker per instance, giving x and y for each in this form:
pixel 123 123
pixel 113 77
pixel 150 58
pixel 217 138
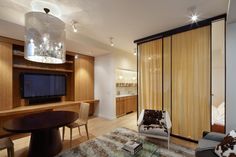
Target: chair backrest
pixel 84 112
pixel 154 115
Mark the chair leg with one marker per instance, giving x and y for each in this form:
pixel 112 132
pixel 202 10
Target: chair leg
pixel 86 127
pixel 63 133
pixel 79 130
pixel 10 152
pixel 168 141
pixel 70 137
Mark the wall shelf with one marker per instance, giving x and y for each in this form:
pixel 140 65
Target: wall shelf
pixel 22 55
pixel 40 68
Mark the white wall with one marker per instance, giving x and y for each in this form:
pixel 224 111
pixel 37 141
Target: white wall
pixel 105 79
pixel 105 86
pixel 125 60
pixel 231 77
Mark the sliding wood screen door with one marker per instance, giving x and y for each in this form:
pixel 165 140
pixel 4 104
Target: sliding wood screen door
pixel 150 75
pixel 191 83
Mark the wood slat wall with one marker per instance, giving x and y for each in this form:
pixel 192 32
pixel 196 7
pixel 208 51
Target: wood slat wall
pixel 167 74
pixel 150 75
pixel 185 81
pixel 5 76
pixel 84 78
pixel 191 83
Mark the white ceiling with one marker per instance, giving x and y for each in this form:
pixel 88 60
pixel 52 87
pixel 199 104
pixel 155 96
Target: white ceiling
pixel 231 12
pixel 125 20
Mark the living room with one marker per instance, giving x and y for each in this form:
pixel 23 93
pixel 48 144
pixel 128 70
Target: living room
pixel 117 78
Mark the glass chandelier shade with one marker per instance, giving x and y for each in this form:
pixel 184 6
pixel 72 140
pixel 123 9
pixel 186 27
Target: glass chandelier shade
pixel 44 38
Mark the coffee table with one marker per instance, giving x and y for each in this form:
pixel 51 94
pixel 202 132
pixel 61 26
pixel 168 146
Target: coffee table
pixel 149 150
pixel 110 145
pixel 45 138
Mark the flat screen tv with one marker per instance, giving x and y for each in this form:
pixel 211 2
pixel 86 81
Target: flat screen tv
pixel 35 85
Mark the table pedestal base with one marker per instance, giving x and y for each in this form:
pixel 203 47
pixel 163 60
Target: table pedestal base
pixel 45 143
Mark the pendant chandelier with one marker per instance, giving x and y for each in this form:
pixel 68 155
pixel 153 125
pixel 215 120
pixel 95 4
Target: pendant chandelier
pixel 44 38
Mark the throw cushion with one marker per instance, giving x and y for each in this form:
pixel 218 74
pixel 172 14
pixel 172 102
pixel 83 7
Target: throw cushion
pixel 227 148
pixel 154 119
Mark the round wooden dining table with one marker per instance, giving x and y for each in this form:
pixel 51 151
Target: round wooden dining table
pixel 45 138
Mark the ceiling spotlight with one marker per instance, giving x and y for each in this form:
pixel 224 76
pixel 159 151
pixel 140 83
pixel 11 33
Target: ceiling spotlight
pixel 194 18
pixel 194 15
pixel 74 26
pixel 111 41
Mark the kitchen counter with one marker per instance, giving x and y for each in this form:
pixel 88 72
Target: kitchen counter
pixel 125 95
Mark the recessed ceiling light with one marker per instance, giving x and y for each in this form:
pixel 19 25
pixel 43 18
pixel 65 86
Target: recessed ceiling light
pixel 120 77
pixel 76 56
pixel 194 18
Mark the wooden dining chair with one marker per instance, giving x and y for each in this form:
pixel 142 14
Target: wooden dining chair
pixel 83 120
pixel 6 143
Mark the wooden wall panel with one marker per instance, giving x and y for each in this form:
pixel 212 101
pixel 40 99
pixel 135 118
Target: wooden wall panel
pixel 150 75
pixel 191 83
pixel 84 78
pixel 167 74
pixel 5 76
pixel 91 78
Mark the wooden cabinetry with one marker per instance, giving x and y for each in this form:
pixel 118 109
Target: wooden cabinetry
pixel 120 107
pixel 84 80
pixel 20 64
pixel 5 76
pixel 126 105
pixel 80 74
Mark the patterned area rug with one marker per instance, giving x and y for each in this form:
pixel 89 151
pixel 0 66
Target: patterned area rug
pixel 109 145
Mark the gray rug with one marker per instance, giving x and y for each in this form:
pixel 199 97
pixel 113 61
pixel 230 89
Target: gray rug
pixel 109 145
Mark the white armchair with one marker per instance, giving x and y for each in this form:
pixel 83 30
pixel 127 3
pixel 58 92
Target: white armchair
pixel 154 123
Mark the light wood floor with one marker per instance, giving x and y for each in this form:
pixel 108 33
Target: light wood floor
pixel 97 126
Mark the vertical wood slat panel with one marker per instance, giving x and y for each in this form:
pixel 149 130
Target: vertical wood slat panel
pixel 150 75
pixel 6 77
pixel 167 74
pixel 84 78
pixel 191 83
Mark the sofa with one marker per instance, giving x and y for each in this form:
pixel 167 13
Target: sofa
pixel 207 144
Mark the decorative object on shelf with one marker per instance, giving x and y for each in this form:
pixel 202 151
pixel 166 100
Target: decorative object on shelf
pixel 44 38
